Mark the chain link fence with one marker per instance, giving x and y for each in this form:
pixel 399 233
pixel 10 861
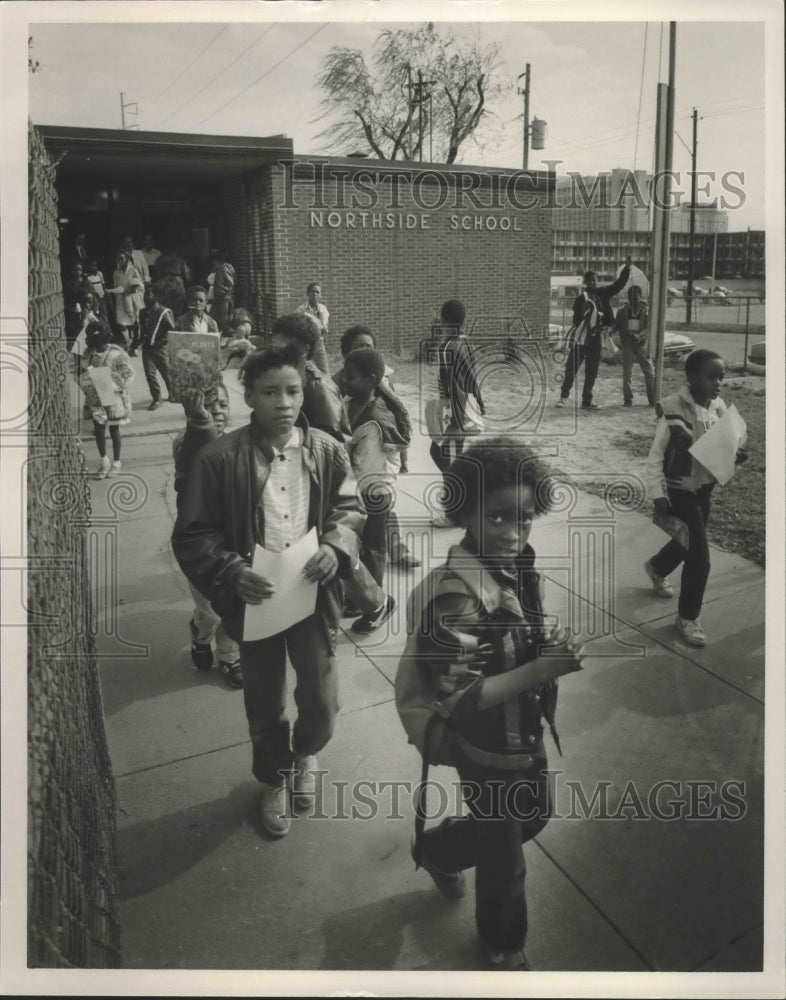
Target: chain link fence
pixel 72 888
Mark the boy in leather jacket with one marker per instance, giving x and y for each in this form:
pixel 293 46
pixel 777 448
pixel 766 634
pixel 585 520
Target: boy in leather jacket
pixel 268 484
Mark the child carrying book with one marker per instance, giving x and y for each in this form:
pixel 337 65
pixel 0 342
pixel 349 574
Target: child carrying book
pixel 680 485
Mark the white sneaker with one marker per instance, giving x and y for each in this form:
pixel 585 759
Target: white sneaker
pixel 114 469
pixel 273 809
pixel 304 782
pixel 103 469
pixel 691 631
pixel 660 584
pixel 561 402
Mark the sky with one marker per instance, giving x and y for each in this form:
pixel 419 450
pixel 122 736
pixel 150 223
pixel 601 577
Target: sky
pixel 594 83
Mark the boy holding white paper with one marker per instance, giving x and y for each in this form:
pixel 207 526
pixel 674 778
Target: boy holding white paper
pixel 681 485
pixel 269 484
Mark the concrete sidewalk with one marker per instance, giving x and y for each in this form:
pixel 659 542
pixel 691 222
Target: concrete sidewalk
pixel 649 721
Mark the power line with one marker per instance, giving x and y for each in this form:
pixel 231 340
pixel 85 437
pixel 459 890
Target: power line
pixel 220 73
pixel 263 75
pixel 181 75
pixel 641 91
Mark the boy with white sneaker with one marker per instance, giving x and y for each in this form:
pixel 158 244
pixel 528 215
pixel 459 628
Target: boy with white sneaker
pixel 680 485
pixel 269 483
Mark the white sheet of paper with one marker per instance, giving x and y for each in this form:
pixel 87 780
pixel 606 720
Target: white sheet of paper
pixel 295 598
pixel 717 448
pixel 104 384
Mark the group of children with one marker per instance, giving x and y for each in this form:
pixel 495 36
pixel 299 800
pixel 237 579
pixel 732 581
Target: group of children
pixel 323 453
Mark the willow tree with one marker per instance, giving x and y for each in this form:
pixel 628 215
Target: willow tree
pixel 424 88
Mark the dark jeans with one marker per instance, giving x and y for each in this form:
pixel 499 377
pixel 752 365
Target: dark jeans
pixel 694 510
pixel 508 808
pixel 589 355
pixel 156 358
pixel 99 430
pixel 378 500
pixel 443 455
pixel 264 692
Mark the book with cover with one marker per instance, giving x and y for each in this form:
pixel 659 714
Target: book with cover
pixel 673 526
pixel 193 361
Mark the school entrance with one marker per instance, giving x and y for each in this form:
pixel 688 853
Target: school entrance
pixel 177 188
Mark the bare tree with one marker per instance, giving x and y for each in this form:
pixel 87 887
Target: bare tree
pixel 424 87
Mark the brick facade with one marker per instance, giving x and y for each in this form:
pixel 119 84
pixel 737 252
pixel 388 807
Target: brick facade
pixel 390 260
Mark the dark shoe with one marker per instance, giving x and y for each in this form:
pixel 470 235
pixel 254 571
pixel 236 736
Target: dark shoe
pixel 132 353
pixel 370 623
pixel 451 885
pixel 201 653
pixel 507 961
pixel 233 673
pixel 155 404
pixel 628 402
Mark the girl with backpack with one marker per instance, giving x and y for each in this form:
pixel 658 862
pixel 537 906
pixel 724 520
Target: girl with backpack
pixel 477 682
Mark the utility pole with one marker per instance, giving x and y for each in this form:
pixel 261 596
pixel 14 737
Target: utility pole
pixel 409 110
pixel 127 106
pixel 525 92
pixel 689 295
pixel 664 153
pixel 420 115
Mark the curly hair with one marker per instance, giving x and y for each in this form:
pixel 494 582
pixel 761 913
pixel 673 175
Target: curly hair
pixel 348 336
pixel 494 463
pixel 256 364
pixel 297 326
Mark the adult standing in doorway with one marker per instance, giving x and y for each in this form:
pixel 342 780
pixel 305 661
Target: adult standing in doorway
pixel 593 318
pixel 223 291
pixel 128 288
pixel 174 275
pixel 317 311
pixel 137 258
pixel 150 253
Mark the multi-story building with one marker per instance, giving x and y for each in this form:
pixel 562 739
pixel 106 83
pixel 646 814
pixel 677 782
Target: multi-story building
pixel 601 221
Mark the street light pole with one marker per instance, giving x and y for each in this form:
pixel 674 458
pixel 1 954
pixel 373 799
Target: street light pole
pixel 526 118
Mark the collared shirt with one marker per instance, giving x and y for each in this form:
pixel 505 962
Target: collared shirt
pixel 285 496
pixel 320 315
pixel 200 325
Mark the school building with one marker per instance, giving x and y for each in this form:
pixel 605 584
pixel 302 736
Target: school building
pixel 388 241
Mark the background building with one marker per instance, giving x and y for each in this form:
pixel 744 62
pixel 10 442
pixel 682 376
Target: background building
pixel 600 221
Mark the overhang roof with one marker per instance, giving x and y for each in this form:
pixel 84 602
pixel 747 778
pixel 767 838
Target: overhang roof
pixel 96 152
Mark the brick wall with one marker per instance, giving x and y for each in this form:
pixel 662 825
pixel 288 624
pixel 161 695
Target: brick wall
pixel 394 279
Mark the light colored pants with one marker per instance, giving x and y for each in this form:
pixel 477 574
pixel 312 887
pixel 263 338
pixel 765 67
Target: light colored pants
pixel 207 626
pixel 632 351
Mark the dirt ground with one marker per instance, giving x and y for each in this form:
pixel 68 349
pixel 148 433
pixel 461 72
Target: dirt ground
pixel 596 450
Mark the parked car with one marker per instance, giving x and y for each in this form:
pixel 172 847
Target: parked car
pixel 675 345
pixel 758 354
